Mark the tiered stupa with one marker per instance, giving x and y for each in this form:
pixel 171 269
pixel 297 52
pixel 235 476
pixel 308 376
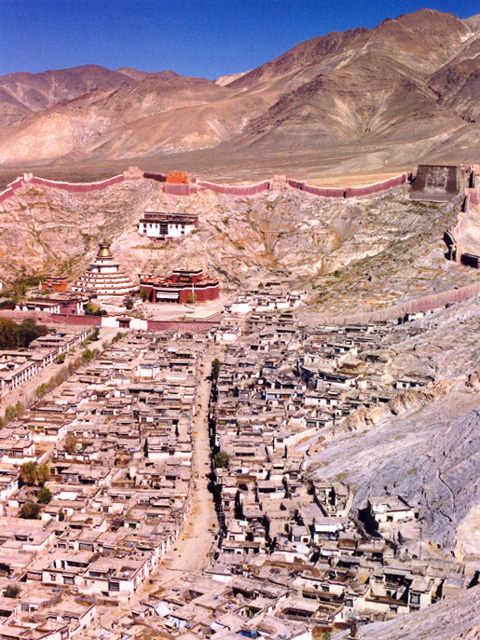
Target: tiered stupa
pixel 103 277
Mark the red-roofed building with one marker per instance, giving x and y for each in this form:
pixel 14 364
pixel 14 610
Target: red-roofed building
pixel 184 285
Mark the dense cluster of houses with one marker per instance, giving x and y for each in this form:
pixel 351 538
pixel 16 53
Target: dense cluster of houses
pixel 291 557
pixel 18 366
pixel 116 437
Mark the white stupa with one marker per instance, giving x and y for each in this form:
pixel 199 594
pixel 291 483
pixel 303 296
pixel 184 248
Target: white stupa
pixel 103 277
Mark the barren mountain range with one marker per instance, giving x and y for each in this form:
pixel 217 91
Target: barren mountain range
pixel 391 96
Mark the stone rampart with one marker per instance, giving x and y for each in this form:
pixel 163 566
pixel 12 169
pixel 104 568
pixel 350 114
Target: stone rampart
pixel 453 237
pixel 378 187
pixel 247 190
pixel 324 192
pixel 192 188
pixel 415 305
pixel 159 177
pixel 73 187
pixel 351 192
pixel 179 189
pixel 76 187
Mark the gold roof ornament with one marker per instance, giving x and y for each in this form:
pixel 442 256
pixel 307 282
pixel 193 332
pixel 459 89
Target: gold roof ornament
pixel 104 250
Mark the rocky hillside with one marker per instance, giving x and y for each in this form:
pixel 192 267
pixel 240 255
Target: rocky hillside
pixel 348 254
pixel 456 618
pixel 404 91
pixel 424 444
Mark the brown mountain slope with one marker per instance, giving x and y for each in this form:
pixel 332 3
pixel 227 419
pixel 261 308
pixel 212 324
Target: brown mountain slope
pixel 104 119
pixel 35 92
pixel 409 85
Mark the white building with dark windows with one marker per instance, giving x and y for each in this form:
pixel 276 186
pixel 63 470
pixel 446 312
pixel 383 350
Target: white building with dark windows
pixel 164 226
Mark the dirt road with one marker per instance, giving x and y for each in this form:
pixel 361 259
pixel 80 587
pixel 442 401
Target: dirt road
pixel 191 552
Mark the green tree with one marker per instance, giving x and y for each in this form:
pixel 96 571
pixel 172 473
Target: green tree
pixel 44 495
pixel 60 358
pixel 129 304
pixel 90 308
pixel 71 441
pixel 10 413
pixel 43 474
pixel 41 390
pixel 88 355
pixel 18 409
pixel 215 368
pixel 29 472
pixel 221 459
pixel 61 516
pixel 29 330
pixel 8 334
pixel 143 294
pixel 11 591
pixel 30 511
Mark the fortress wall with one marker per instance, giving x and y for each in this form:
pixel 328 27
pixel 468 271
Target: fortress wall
pixel 42 317
pixel 160 177
pixel 16 184
pixel 324 192
pixel 184 189
pixel 77 187
pixel 247 190
pixel 73 187
pixel 474 197
pixel 179 189
pixel 296 184
pixel 11 188
pixel 5 195
pixel 391 183
pixel 351 192
pixel 416 305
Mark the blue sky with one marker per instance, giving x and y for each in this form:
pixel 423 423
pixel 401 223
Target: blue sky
pixel 192 37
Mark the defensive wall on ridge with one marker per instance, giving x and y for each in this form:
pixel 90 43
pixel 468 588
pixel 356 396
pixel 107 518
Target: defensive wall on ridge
pixel 194 185
pixel 462 240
